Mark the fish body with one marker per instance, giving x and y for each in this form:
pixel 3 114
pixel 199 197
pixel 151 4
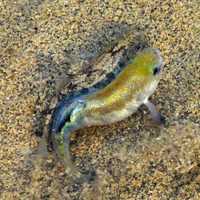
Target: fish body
pixel 122 97
pixel 111 100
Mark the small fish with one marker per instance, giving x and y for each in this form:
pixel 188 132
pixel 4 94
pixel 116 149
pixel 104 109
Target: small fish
pixel 113 99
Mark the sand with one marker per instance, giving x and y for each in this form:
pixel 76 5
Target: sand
pixel 45 47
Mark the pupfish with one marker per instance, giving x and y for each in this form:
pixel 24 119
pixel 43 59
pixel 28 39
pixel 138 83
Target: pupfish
pixel 111 100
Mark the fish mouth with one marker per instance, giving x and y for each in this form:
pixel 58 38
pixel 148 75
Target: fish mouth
pixel 160 60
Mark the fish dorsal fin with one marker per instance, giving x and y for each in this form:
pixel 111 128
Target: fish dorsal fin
pixel 125 58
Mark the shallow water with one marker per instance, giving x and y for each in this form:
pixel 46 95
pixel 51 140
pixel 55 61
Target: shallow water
pixel 46 42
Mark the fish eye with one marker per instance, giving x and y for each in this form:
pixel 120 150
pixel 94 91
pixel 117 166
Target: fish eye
pixel 156 70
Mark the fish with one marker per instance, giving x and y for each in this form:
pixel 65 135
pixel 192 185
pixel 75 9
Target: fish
pixel 113 99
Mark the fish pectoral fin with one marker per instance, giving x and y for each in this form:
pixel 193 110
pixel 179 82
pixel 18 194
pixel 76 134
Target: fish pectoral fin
pixel 157 117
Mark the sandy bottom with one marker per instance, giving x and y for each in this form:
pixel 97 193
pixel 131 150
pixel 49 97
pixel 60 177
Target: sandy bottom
pixel 44 49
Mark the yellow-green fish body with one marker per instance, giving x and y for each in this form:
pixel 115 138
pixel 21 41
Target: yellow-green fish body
pixel 109 101
pixel 127 92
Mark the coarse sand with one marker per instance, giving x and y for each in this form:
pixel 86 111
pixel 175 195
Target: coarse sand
pixel 45 48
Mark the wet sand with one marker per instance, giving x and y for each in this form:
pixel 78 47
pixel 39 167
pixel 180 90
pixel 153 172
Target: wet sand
pixel 44 46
